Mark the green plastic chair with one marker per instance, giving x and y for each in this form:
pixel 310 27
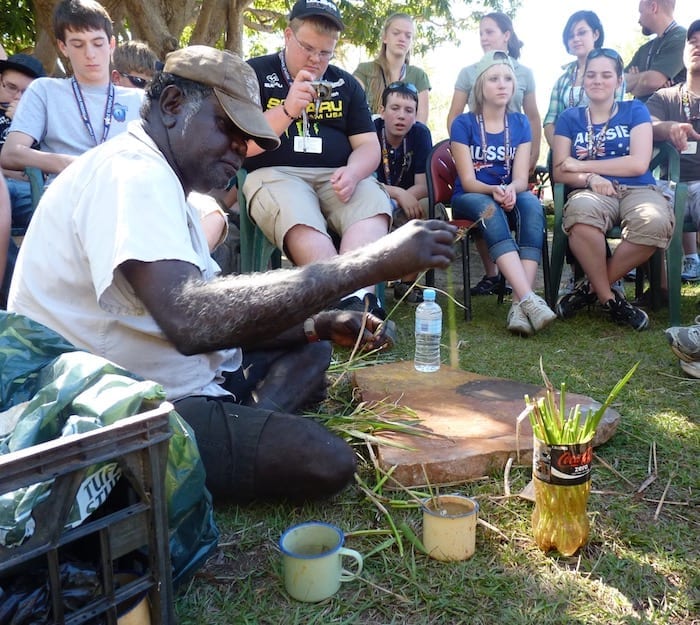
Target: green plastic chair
pixel 665 164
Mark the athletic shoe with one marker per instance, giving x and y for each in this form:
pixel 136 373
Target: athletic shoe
pixel 685 341
pixel 488 285
pixel 644 301
pixel 570 284
pixel 691 270
pixel 623 313
pixel 631 275
pixel 537 312
pixel 369 303
pixel 408 293
pixel 691 368
pixel 581 297
pixel 517 321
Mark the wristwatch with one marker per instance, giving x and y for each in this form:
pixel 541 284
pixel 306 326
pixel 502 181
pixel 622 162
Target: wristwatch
pixel 310 330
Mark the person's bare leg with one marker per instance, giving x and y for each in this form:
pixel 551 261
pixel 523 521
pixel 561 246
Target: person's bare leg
pixel 627 256
pixel 588 246
pixel 490 268
pixel 306 245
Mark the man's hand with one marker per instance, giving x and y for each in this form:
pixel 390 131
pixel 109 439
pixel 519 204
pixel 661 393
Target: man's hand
pixel 301 93
pixel 343 327
pixel 408 203
pixel 679 133
pixel 344 183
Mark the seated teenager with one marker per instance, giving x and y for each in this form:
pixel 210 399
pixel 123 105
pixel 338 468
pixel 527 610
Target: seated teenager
pixel 405 144
pixel 491 148
pixel 602 151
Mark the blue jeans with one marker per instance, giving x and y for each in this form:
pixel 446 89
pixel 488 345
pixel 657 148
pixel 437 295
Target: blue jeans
pixel 21 202
pixel 526 220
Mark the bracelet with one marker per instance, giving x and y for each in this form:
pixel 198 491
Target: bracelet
pixel 310 330
pixel 589 177
pixel 286 112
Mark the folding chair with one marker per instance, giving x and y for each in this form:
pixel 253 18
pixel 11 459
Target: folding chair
pixel 441 174
pixel 665 164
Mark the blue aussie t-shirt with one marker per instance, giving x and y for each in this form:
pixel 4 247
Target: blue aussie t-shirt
pixel 572 123
pixel 490 162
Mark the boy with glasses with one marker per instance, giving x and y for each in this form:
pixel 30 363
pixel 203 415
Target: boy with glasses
pixel 405 145
pixel 68 116
pixel 320 180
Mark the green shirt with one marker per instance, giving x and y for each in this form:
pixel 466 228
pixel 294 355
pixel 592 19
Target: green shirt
pixel 365 72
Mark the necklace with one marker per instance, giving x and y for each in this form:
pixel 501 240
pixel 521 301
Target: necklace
pixel 506 144
pixel 109 106
pixel 574 78
pixel 594 147
pixel 685 103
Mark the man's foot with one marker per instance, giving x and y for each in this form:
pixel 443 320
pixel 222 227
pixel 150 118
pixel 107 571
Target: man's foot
pixel 581 297
pixel 685 341
pixel 537 312
pixel 517 321
pixel 623 313
pixel 488 285
pixel 370 303
pixel 408 292
pixel 690 271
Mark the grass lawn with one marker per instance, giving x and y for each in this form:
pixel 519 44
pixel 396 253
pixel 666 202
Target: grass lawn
pixel 642 561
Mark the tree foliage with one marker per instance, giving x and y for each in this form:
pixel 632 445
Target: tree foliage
pixel 167 24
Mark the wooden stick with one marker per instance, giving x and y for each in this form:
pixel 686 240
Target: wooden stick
pixel 611 468
pixel 663 497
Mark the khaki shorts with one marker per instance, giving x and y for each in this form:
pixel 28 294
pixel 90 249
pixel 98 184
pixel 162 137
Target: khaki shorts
pixel 644 213
pixel 280 198
pixel 692 206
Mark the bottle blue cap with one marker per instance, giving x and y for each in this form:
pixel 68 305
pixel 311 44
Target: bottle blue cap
pixel 429 295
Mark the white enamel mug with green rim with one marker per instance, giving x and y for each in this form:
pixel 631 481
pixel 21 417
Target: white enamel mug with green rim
pixel 312 554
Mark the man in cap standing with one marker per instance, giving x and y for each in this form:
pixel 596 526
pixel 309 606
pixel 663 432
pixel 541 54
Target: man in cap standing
pixel 132 281
pixel 320 180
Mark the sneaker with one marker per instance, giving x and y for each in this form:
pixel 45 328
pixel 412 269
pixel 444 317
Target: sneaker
pixel 691 270
pixel 631 275
pixel 691 368
pixel 537 312
pixel 406 292
pixel 488 285
pixel 369 303
pixel 517 321
pixel 644 301
pixel 581 297
pixel 623 313
pixel 685 341
pixel 570 283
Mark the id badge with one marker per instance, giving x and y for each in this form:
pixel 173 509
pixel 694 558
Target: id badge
pixel 692 148
pixel 310 145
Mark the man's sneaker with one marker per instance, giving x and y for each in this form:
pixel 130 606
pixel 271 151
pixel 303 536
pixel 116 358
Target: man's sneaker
pixel 685 341
pixel 570 283
pixel 517 321
pixel 407 292
pixel 581 297
pixel 488 285
pixel 691 368
pixel 631 275
pixel 691 270
pixel 623 313
pixel 537 312
pixel 369 303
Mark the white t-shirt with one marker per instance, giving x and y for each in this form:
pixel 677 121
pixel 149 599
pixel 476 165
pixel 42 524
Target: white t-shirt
pixel 118 202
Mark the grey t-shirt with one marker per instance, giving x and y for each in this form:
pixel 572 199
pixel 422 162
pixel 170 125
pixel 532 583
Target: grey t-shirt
pixel 48 112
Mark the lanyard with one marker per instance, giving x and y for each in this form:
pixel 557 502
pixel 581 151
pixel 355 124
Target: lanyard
pixel 107 121
pixel 595 142
pixel 402 74
pixel 654 47
pixel 506 143
pixel 685 103
pixel 574 77
pixel 385 162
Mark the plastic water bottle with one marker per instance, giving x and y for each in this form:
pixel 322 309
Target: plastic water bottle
pixel 428 333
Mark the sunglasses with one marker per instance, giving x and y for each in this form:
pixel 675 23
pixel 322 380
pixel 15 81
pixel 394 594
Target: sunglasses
pixel 136 80
pixel 607 52
pixel 403 86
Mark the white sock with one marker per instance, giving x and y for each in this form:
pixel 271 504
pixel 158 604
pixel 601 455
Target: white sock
pixel 527 296
pixel 692 257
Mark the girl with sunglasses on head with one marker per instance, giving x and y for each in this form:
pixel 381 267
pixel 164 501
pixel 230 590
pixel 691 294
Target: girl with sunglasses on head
pixel 602 151
pixel 496 32
pixel 393 65
pixel 491 147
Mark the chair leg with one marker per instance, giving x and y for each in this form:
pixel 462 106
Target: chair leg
pixel 548 297
pixel 466 279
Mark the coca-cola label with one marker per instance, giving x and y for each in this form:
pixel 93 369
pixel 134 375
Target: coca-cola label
pixel 562 464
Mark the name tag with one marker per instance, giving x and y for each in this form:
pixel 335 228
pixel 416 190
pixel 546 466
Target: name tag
pixel 692 148
pixel 310 145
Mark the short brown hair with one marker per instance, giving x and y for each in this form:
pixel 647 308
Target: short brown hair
pixel 80 16
pixel 134 57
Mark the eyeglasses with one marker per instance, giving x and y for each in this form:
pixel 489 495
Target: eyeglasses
pixel 579 33
pixel 323 55
pixel 12 88
pixel 137 81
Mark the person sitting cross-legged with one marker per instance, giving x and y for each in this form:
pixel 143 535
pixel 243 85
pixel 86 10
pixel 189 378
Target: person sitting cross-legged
pixel 603 151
